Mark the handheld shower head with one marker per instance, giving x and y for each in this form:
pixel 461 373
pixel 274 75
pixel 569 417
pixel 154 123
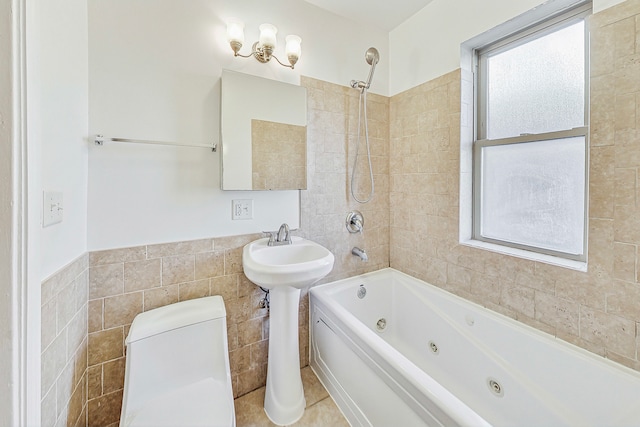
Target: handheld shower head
pixel 372 56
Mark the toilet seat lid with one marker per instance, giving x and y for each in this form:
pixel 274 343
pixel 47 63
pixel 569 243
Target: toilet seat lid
pixel 206 403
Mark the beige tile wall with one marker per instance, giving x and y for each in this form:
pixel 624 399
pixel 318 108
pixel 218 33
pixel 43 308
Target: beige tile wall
pixel 128 281
pixel 598 310
pixel 331 144
pixel 64 345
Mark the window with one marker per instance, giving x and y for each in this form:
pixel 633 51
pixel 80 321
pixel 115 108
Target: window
pixel 530 151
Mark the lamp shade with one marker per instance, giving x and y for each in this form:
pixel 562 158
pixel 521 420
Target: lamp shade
pixel 235 31
pixel 268 36
pixel 293 48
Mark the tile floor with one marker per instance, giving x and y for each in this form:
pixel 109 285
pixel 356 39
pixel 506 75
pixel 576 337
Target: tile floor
pixel 321 410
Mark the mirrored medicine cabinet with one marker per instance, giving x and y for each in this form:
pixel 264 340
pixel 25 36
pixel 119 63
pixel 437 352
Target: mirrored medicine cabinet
pixel 263 133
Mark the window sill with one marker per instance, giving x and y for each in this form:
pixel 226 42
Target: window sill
pixel 532 256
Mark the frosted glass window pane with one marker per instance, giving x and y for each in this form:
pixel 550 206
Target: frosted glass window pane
pixel 533 194
pixel 538 86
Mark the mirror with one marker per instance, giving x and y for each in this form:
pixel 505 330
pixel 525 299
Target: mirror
pixel 263 134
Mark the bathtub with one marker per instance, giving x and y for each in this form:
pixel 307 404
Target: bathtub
pixel 393 350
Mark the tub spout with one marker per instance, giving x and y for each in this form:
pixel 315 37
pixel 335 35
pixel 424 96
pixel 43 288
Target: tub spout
pixel 361 253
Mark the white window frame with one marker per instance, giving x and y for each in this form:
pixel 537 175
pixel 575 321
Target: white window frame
pixel 509 35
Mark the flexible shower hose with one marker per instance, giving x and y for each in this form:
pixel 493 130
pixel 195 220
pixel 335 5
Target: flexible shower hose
pixel 362 105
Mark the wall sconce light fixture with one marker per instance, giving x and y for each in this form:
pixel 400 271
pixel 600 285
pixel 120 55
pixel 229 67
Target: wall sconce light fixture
pixel 263 49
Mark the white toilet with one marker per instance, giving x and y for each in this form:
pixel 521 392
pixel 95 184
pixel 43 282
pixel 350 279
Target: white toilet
pixel 177 370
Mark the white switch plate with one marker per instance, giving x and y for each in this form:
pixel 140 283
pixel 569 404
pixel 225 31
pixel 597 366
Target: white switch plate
pixel 242 209
pixel 52 208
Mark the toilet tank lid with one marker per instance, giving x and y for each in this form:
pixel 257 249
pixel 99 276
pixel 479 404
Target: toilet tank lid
pixel 174 316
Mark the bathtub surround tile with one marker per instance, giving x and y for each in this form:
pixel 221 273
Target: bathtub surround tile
pixel 331 137
pixel 562 314
pixel 625 186
pixel 615 333
pixel 623 299
pixel 624 261
pixel 601 185
pixel 597 309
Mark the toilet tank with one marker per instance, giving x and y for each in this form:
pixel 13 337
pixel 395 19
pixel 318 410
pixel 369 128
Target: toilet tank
pixel 173 346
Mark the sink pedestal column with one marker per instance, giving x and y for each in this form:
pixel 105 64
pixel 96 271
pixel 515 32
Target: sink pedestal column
pixel 284 401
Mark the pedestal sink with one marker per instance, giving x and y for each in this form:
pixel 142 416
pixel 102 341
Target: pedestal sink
pixel 285 270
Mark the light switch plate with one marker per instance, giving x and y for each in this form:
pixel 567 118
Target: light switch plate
pixel 52 208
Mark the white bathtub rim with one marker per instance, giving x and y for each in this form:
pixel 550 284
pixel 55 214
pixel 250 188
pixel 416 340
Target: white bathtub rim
pixel 614 366
pixel 324 293
pixel 415 378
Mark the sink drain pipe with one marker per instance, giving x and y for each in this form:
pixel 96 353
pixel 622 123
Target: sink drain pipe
pixel 264 302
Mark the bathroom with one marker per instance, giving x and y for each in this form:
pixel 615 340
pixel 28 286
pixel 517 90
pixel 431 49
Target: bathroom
pixel 151 69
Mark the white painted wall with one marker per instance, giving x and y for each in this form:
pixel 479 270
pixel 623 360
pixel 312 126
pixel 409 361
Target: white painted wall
pixel 427 45
pixel 154 73
pixel 57 82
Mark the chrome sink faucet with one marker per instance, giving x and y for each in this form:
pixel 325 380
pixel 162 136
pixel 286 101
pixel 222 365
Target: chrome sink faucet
pixel 280 237
pixel 286 238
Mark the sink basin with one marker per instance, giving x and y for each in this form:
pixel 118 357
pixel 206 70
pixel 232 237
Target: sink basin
pixel 300 264
pixel 285 270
